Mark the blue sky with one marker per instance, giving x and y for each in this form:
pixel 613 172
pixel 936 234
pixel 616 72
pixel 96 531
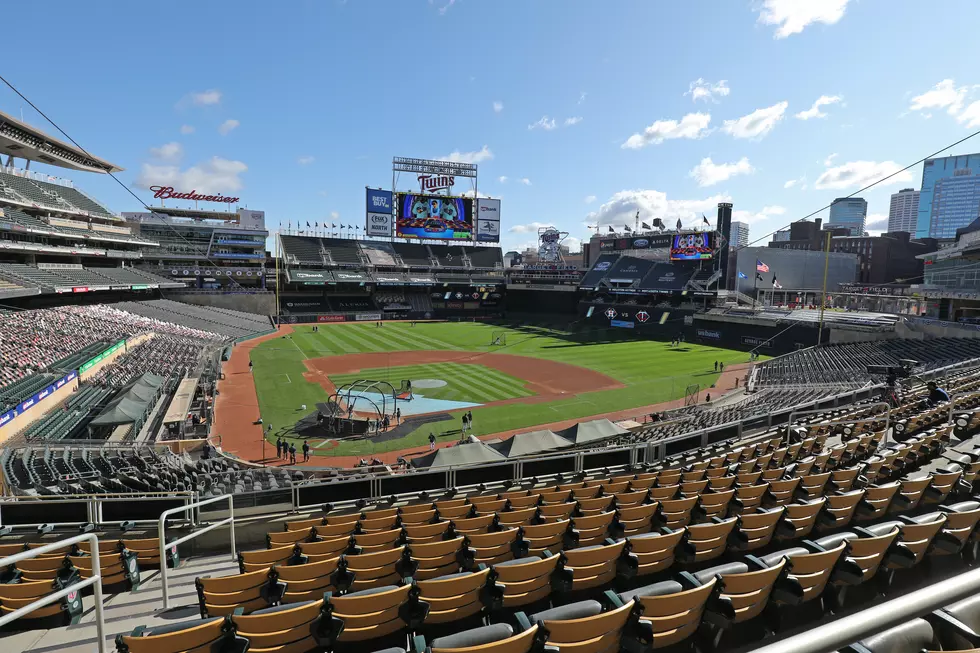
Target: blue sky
pixel 575 111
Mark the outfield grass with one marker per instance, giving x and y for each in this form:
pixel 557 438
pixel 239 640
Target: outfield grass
pixel 652 372
pixel 464 382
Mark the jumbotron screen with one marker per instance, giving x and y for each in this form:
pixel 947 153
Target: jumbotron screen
pixel 433 216
pixel 692 247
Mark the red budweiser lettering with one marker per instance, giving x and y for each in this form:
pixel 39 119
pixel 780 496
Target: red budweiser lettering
pixel 430 182
pixel 167 192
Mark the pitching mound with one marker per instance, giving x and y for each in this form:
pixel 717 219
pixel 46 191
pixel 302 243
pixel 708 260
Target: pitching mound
pixel 423 384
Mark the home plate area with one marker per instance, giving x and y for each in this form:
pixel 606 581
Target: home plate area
pixel 419 404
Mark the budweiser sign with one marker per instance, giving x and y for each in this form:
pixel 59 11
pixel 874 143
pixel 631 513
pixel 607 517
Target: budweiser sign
pixel 168 192
pixel 436 182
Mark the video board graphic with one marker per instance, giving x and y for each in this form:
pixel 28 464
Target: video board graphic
pixel 691 247
pixel 433 216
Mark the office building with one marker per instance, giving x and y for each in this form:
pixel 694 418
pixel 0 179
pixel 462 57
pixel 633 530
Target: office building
pixel 781 236
pixel 740 234
pixel 795 270
pixel 903 212
pixel 884 259
pixel 949 198
pixel 848 213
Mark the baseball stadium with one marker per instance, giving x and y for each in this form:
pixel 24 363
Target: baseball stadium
pixel 222 433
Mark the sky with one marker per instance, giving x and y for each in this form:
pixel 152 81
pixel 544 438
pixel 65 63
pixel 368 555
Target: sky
pixel 577 112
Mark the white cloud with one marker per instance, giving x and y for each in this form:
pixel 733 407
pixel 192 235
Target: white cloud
pixel 206 98
pixel 483 154
pixel 709 173
pixel 708 91
pixel 693 125
pixel 581 97
pixel 228 126
pixel 621 208
pixel 944 95
pixel 334 215
pixel 861 173
pixel 544 123
pixel 876 224
pixel 186 129
pixel 589 199
pixel 469 193
pixel 216 175
pixel 573 121
pixel 749 217
pixel 830 159
pixel 814 111
pixel 574 244
pixel 792 16
pixel 168 152
pixel 531 227
pixel 756 124
pixel 498 107
pixel 502 179
pixel 305 160
pixel 525 181
pixel 795 182
pixel 970 116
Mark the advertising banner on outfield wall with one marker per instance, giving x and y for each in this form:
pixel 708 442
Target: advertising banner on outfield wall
pixel 380 204
pixel 364 317
pixel 330 318
pixel 488 220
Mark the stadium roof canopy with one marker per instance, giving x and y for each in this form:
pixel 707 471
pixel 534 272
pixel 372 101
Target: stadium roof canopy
pixel 20 140
pixel 195 213
pixel 526 444
pixel 586 432
pixel 465 454
pixel 132 403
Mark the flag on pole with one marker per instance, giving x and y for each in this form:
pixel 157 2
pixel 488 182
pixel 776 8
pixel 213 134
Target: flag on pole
pixel 705 220
pixel 627 228
pixel 646 226
pixel 742 275
pixel 611 230
pixel 776 284
pixel 333 226
pixel 760 266
pixel 307 224
pixel 679 224
pixel 758 277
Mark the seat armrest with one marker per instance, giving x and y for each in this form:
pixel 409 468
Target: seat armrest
pixel 688 580
pixel 812 546
pixel 755 564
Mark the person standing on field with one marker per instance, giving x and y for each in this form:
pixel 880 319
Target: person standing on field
pixel 432 441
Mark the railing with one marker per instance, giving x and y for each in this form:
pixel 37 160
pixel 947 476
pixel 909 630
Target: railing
pixel 840 633
pixel 95 580
pixel 73 505
pixel 230 520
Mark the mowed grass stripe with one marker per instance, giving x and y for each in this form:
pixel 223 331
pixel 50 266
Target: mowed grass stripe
pixel 467 382
pixel 488 381
pixel 357 342
pixel 478 382
pixel 404 342
pixel 513 384
pixel 414 335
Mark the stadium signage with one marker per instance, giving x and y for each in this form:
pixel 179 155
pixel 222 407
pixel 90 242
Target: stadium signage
pixel 330 318
pixel 436 182
pixel 168 192
pixel 622 324
pixel 756 342
pixel 710 334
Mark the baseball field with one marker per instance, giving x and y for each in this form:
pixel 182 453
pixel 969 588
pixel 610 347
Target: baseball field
pixel 509 378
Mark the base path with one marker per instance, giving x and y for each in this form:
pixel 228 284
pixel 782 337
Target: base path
pixel 547 379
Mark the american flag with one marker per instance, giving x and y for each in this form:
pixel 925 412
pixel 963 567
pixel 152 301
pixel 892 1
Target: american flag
pixel 760 266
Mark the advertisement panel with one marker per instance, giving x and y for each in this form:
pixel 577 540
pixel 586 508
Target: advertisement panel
pixel 380 204
pixel 622 324
pixel 650 241
pixel 378 224
pixel 752 341
pixel 691 247
pixel 709 334
pixel 487 231
pixel 433 216
pixel 364 317
pixel 488 209
pixel 108 352
pixel 330 318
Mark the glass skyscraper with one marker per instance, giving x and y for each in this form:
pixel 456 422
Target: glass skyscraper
pixel 849 212
pixel 950 195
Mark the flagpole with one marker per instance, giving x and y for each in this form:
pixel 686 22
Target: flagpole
pixel 755 285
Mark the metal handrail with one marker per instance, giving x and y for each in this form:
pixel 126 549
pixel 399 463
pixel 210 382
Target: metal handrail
pixel 230 520
pixel 885 404
pixel 95 580
pixel 854 628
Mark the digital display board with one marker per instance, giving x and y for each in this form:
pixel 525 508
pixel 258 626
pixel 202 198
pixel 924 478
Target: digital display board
pixel 691 247
pixel 433 216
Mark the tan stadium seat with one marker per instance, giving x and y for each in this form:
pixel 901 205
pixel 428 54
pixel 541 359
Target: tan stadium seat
pixel 264 558
pixel 631 498
pixel 192 636
pixel 552 536
pixel 377 569
pixel 677 513
pixel 491 548
pixel 706 541
pixel 910 494
pixel 755 530
pixel 655 551
pixel 867 554
pixel 304 524
pixel 490 507
pixel 839 509
pixel 595 566
pixel 597 505
pixel 333 531
pixel 799 519
pixel 437 558
pixel 749 497
pixel 943 483
pixel 147 552
pixel 115 568
pixel 291 628
pixel 530 579
pixel 385 523
pixel 288 538
pixel 14 596
pixel 579 628
pixel 674 609
pixel 420 533
pixel 593 529
pixel 876 502
pixel 811 567
pixel 459 596
pixel 517 517
pixel 369 615
pixel 637 518
pixel 557 511
pixel 526 501
pixel 372 541
pixel 324 549
pixel 478 524
pixel 252 591
pixel 496 638
pixel 308 582
pixel 746 589
pixel 555 496
pixel 715 504
pixel 665 492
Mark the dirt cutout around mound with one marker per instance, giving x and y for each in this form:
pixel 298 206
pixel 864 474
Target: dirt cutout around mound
pixel 548 380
